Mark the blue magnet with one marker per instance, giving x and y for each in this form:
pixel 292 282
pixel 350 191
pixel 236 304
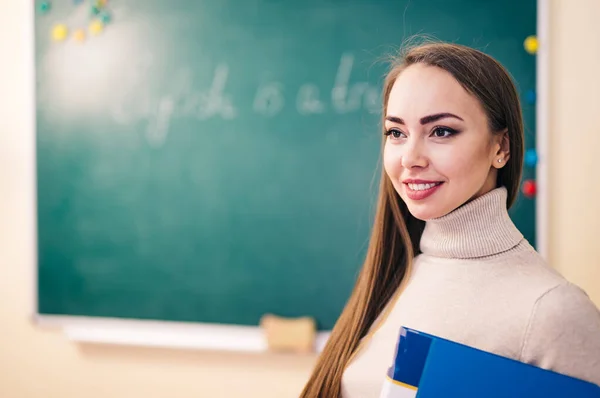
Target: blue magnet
pixel 530 96
pixel 531 157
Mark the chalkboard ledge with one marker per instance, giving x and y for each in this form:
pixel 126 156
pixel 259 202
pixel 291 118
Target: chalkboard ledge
pixel 164 334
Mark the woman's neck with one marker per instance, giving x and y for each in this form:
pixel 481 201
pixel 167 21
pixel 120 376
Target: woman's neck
pixel 479 228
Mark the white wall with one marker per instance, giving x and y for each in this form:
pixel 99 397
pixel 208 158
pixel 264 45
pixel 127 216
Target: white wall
pixel 575 142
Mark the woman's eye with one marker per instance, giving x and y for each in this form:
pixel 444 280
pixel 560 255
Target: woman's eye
pixel 443 132
pixel 395 133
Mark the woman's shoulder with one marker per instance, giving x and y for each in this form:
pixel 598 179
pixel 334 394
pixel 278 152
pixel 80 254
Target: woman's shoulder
pixel 559 291
pixel 529 266
pixel 563 332
pixel 522 272
pixel 555 299
pixel 564 323
pixel 566 300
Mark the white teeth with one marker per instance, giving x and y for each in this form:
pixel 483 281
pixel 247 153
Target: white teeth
pixel 421 187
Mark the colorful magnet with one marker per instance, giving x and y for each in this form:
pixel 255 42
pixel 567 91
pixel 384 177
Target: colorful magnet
pixel 95 10
pixel 105 17
pixel 529 188
pixel 530 96
pixel 45 7
pixel 79 35
pixel 60 32
pixel 96 27
pixel 531 157
pixel 531 44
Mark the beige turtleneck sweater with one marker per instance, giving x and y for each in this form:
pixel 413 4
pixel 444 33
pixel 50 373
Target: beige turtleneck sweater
pixel 480 283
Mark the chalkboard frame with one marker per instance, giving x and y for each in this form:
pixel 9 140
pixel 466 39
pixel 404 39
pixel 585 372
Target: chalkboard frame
pixel 166 334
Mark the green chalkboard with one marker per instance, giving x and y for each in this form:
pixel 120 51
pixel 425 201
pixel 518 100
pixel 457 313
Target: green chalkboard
pixel 215 160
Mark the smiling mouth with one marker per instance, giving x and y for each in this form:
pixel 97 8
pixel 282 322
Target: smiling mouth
pixel 422 190
pixel 422 187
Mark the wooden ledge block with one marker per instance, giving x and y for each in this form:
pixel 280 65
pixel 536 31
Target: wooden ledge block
pixel 289 334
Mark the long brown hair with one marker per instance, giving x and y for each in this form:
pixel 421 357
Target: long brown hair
pixel 396 234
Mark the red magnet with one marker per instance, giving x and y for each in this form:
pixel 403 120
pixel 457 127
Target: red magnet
pixel 529 188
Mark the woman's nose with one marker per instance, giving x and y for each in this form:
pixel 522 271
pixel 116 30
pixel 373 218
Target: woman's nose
pixel 414 155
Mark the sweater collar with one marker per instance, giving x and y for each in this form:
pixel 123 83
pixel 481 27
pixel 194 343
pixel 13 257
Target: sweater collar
pixel 479 228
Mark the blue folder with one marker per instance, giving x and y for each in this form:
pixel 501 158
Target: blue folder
pixel 440 368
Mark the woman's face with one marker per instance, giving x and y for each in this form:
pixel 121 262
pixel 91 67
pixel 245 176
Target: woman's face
pixel 439 151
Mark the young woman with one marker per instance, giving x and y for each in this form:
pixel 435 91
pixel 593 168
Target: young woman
pixel 444 256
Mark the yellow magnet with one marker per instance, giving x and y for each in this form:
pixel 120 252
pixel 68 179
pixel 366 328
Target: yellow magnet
pixel 60 32
pixel 531 44
pixel 79 35
pixel 96 27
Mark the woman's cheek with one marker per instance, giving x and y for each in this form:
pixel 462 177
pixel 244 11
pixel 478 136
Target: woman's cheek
pixel 392 160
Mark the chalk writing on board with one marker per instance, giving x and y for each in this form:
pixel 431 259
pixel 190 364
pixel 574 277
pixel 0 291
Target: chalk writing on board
pixel 157 131
pixel 346 99
pixel 308 100
pixel 183 99
pixel 269 99
pixel 216 102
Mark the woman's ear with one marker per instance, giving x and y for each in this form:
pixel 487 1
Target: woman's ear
pixel 503 152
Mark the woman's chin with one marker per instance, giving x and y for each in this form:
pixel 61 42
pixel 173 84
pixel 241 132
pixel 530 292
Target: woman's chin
pixel 424 215
pixel 424 211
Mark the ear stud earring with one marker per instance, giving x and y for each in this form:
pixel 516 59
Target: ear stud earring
pixel 499 160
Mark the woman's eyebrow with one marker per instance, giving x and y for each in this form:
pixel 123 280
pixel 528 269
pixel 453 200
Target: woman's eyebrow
pixel 426 119
pixel 438 116
pixel 394 119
